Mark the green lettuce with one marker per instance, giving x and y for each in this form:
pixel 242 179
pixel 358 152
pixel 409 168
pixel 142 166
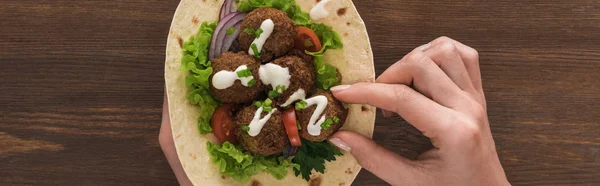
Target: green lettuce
pixel 195 61
pixel 329 39
pixel 327 75
pixel 234 162
pixel 288 6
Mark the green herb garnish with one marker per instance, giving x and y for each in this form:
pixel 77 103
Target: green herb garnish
pixel 245 128
pixel 251 83
pixel 336 119
pixel 301 105
pixel 273 94
pixel 258 32
pixel 280 89
pixel 249 31
pixel 258 104
pixel 231 30
pixel 325 125
pixel 298 124
pixel 268 102
pixel 244 73
pixel 255 50
pixel 312 155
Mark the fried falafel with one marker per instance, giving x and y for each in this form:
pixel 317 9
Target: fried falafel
pixel 237 93
pixel 303 76
pixel 334 110
pixel 272 137
pixel 281 39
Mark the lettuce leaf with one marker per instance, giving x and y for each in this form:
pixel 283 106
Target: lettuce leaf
pixel 329 39
pixel 200 96
pixel 234 162
pixel 288 6
pixel 327 75
pixel 195 61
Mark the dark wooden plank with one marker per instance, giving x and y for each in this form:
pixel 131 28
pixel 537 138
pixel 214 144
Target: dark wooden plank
pixel 81 86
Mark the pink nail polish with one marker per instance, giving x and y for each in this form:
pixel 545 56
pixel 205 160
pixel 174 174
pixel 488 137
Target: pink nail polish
pixel 340 144
pixel 339 88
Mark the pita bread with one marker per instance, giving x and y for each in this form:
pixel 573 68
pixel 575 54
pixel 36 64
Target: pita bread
pixel 354 62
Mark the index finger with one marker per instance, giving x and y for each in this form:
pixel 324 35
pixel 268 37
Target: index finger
pixel 418 110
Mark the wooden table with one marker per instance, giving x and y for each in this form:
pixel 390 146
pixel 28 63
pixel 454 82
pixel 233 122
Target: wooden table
pixel 82 84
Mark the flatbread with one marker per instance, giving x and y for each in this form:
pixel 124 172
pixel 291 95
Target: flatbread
pixel 354 62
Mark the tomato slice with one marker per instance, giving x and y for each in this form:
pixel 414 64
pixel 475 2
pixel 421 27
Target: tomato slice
pixel 289 121
pixel 307 40
pixel 223 125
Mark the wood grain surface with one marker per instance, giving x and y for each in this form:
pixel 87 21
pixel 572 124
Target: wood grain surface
pixel 81 86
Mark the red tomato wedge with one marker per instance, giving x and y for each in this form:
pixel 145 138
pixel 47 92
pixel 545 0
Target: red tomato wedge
pixel 307 40
pixel 291 127
pixel 223 125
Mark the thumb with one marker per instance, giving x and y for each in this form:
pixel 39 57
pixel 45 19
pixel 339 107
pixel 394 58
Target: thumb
pixel 390 167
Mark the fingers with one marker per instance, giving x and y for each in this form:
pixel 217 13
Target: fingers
pixel 390 167
pixel 470 57
pixel 445 54
pixel 418 70
pixel 415 108
pixel 165 138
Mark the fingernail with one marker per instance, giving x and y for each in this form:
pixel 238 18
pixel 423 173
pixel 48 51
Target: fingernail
pixel 340 144
pixel 339 88
pixel 424 47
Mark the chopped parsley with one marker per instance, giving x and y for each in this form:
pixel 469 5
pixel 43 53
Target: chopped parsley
pixel 245 128
pixel 325 125
pixel 255 50
pixel 244 73
pixel 298 124
pixel 231 30
pixel 301 105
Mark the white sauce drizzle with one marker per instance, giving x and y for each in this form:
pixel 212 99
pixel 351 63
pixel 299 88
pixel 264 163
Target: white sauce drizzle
pixel 267 26
pixel 314 126
pixel 298 95
pixel 257 123
pixel 319 12
pixel 225 79
pixel 274 75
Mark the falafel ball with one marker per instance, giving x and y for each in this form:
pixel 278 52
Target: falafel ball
pixel 281 39
pixel 303 76
pixel 307 58
pixel 237 93
pixel 334 108
pixel 272 137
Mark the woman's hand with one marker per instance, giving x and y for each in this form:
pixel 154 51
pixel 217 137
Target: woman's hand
pixel 165 138
pixel 436 88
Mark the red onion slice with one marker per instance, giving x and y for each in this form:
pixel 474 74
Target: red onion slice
pixel 228 7
pixel 230 38
pixel 216 43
